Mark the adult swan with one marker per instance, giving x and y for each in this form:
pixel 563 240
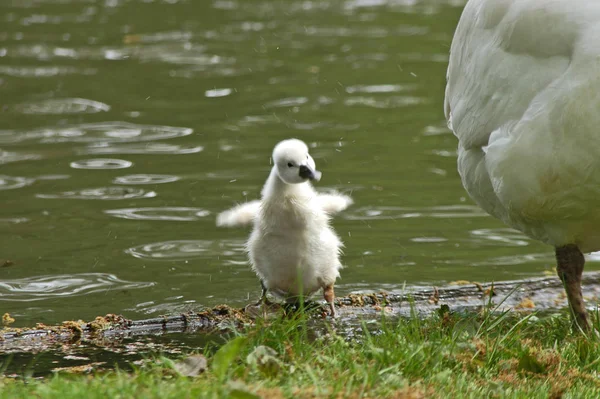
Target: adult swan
pixel 523 98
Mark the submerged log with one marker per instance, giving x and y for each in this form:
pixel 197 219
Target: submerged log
pixel 539 294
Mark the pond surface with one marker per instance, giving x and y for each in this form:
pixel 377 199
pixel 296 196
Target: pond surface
pixel 127 125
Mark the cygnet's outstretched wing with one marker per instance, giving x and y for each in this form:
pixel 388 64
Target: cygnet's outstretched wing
pixel 333 203
pixel 239 216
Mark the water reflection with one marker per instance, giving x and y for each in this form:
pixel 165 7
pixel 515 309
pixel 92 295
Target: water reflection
pixel 102 193
pixel 169 213
pixel 64 285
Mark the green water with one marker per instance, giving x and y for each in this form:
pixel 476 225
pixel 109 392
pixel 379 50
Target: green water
pixel 198 92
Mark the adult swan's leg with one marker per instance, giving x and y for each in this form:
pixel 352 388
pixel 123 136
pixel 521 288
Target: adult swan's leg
pixel 569 266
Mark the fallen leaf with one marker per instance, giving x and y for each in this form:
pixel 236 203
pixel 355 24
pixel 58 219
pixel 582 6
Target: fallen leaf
pixel 7 320
pixel 526 303
pixel 191 366
pixel 265 360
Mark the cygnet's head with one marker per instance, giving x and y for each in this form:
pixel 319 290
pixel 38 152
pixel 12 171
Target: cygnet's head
pixel 292 162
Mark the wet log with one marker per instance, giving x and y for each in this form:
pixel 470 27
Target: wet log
pixel 536 294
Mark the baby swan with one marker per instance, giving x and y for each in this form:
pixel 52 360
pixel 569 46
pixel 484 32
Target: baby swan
pixel 292 248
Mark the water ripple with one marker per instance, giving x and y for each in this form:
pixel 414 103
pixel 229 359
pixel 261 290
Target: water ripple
pixel 14 220
pixel 105 132
pixel 145 179
pixel 175 53
pixel 149 148
pixel 393 212
pixel 515 259
pixel 44 71
pixel 390 102
pixel 101 163
pixel 217 93
pixel 170 213
pixel 59 106
pixel 502 236
pixel 65 285
pixel 188 249
pixel 379 88
pixel 287 102
pixel 7 157
pixel 102 193
pixel 12 182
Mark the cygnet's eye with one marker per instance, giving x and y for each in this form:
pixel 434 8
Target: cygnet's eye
pixel 290 165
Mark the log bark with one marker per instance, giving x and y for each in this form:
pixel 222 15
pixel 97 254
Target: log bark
pixel 536 294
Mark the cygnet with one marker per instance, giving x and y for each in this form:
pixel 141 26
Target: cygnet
pixel 292 248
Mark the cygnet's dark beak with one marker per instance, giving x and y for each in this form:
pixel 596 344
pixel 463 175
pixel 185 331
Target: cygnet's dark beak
pixel 308 173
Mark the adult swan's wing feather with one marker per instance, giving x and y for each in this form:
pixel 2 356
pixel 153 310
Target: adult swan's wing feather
pixel 523 98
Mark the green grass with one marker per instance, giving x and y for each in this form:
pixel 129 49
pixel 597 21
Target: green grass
pixel 462 356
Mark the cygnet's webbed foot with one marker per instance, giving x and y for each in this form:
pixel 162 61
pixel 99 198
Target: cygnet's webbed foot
pixel 329 295
pixel 263 298
pixel 296 304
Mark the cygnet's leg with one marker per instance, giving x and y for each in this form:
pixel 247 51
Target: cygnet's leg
pixel 263 296
pixel 329 295
pixel 570 262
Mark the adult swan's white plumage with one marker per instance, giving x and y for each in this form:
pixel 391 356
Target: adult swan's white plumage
pixel 292 248
pixel 523 98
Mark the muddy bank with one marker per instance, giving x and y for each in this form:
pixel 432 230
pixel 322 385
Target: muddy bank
pixel 521 295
